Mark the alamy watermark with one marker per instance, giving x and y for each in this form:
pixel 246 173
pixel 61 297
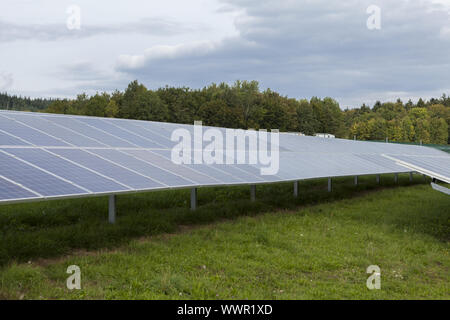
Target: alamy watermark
pixel 74 281
pixel 231 148
pixel 374 280
pixel 374 20
pixel 73 21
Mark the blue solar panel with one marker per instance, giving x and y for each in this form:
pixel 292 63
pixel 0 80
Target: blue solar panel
pixel 386 164
pixel 98 135
pixel 35 179
pixel 241 172
pixel 213 171
pixel 102 155
pixel 7 140
pixel 52 129
pixel 11 191
pixel 28 134
pixel 120 174
pixel 440 165
pixel 136 127
pixel 109 127
pixel 255 169
pixel 166 164
pixel 142 167
pixel 217 173
pixel 82 177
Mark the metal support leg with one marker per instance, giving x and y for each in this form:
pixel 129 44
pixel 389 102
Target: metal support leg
pixel 356 180
pixel 378 178
pixel 296 189
pixel 329 185
pixel 253 192
pixel 396 177
pixel 193 198
pixel 112 209
pixel 410 177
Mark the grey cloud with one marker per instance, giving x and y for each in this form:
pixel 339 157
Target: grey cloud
pixel 86 77
pixel 54 32
pixel 81 71
pixel 323 48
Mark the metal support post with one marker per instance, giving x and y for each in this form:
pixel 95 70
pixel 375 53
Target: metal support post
pixel 193 198
pixel 112 209
pixel 253 192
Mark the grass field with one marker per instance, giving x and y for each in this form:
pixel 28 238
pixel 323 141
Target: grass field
pixel 315 247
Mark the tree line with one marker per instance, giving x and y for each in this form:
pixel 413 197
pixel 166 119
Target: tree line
pixel 13 102
pixel 244 105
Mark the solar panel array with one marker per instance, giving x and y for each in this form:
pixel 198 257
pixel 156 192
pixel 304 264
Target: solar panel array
pixel 437 167
pixel 46 156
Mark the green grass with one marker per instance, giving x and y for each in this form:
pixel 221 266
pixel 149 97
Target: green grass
pixel 315 247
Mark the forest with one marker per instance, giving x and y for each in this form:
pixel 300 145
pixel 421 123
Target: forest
pixel 13 102
pixel 244 105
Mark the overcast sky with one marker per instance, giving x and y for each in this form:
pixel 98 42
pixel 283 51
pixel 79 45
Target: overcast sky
pixel 300 48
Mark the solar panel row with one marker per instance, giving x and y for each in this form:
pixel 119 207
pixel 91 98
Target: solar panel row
pixel 46 156
pixel 435 167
